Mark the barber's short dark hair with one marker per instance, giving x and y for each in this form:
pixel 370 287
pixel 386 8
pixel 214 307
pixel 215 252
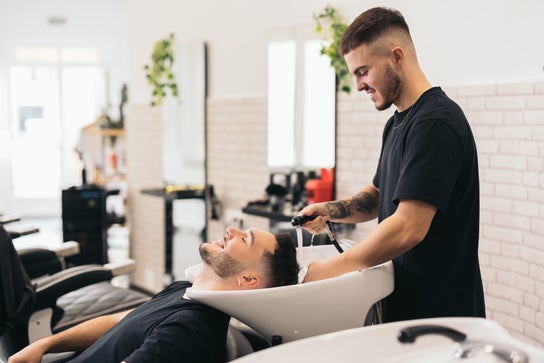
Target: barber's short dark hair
pixel 282 265
pixel 371 25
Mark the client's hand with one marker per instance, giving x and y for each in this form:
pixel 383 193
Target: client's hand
pixel 33 353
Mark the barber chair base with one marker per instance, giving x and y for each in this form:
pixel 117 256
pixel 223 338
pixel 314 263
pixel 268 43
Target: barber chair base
pixel 39 324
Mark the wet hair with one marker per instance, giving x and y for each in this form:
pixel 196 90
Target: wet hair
pixel 281 266
pixel 371 25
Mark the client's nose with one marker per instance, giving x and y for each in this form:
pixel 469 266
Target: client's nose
pixel 232 231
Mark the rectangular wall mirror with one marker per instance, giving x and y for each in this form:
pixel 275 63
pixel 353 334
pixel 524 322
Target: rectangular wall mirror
pixel 301 103
pixel 184 160
pixel 184 119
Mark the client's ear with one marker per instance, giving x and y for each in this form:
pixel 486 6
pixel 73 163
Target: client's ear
pixel 249 281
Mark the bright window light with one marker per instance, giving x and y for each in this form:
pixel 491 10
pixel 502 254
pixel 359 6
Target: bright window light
pixel 281 103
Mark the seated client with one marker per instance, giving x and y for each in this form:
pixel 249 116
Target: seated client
pixel 171 327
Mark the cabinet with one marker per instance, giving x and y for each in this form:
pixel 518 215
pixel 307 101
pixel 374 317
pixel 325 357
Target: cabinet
pixel 84 219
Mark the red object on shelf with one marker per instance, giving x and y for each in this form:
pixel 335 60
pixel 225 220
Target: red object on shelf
pixel 320 190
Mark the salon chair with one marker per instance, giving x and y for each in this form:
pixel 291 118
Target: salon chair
pixel 31 309
pixel 39 299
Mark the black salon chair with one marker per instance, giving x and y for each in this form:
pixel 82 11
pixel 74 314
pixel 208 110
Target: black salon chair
pixel 30 309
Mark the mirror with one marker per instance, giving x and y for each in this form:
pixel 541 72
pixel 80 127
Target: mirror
pixel 301 104
pixel 184 160
pixel 301 101
pixel 184 119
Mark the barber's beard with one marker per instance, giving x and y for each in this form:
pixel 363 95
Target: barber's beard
pixel 221 263
pixel 390 89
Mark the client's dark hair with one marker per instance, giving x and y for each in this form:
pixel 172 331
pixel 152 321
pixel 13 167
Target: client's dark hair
pixel 282 265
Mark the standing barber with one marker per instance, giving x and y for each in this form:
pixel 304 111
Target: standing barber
pixel 425 192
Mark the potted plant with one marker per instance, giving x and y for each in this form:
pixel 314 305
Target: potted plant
pixel 331 26
pixel 159 73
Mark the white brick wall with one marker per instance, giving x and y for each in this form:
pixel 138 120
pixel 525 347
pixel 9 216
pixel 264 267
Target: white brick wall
pixel 237 156
pixel 508 124
pixel 513 152
pixel 145 213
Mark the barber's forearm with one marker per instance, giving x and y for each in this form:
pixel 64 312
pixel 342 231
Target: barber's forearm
pixel 378 247
pixel 394 236
pixel 361 207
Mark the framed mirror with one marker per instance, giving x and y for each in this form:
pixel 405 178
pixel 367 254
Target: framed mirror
pixel 301 104
pixel 184 119
pixel 184 160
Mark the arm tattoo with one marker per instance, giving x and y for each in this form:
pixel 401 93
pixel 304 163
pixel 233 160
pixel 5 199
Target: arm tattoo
pixel 338 210
pixel 364 203
pixel 361 203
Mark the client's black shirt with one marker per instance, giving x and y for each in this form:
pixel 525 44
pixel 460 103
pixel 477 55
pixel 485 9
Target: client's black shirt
pixel 168 328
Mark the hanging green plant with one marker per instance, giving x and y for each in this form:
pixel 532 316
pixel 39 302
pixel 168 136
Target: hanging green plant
pixel 331 26
pixel 159 73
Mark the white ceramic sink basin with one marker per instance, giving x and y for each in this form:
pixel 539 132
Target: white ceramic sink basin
pixel 304 310
pixel 486 341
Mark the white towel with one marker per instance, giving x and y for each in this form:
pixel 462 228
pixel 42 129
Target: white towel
pixel 302 273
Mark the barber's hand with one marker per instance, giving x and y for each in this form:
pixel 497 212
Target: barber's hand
pixel 31 354
pixel 319 223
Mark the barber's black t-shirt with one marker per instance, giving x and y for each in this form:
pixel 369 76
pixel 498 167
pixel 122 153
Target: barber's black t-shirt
pixel 168 328
pixel 429 154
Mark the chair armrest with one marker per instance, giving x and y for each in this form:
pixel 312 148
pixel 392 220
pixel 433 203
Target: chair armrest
pixel 52 287
pixel 121 267
pixel 66 249
pixel 9 218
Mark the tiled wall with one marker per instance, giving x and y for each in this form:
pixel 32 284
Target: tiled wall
pixel 145 213
pixel 237 157
pixel 508 124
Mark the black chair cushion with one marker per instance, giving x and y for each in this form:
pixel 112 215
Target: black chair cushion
pixel 95 300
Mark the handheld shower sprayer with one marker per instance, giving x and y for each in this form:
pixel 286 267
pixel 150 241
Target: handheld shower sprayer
pixel 298 221
pixel 332 237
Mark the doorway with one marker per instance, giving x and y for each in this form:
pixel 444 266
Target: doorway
pixel 48 106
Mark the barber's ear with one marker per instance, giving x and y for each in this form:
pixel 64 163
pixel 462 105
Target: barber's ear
pixel 398 55
pixel 249 281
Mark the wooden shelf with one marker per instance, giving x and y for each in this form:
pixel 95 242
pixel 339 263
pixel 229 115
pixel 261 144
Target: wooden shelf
pixel 112 132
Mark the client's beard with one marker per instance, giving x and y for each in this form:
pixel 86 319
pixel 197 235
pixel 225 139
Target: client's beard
pixel 221 263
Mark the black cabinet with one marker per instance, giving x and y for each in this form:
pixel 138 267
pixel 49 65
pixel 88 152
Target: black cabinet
pixel 84 219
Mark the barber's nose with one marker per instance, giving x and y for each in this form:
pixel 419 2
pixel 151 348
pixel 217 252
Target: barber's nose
pixel 362 86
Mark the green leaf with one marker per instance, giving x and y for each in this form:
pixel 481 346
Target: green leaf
pixel 331 26
pixel 159 74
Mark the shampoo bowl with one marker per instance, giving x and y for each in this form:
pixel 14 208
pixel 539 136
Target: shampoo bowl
pixel 304 310
pixel 481 340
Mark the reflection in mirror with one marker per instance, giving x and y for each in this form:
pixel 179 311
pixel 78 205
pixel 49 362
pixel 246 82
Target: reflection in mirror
pixel 184 160
pixel 184 119
pixel 301 102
